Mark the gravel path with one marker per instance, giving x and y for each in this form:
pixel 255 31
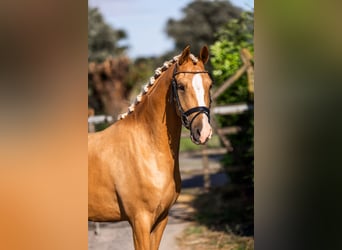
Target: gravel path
pixel 118 236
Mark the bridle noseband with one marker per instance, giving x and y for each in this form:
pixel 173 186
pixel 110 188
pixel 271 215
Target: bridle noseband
pixel 185 114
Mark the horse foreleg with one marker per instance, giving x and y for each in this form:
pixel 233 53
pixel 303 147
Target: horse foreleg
pixel 157 232
pixel 141 226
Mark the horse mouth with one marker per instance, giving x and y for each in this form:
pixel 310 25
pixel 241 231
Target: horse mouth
pixel 194 140
pixel 197 141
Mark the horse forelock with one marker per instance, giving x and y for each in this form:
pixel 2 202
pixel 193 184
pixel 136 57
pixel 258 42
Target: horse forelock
pixel 146 88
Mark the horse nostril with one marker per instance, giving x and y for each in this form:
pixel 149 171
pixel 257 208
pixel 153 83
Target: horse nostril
pixel 198 133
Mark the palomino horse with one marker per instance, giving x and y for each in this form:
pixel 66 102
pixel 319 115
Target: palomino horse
pixel 133 168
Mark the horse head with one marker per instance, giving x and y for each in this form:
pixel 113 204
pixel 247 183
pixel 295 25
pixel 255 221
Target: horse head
pixel 191 86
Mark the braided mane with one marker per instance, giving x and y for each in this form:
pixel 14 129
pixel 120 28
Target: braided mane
pixel 152 80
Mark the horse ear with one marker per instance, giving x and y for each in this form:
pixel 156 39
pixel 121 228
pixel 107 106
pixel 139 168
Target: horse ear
pixel 204 54
pixel 185 55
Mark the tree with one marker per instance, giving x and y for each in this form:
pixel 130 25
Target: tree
pixel 103 40
pixel 108 67
pixel 201 21
pixel 108 88
pixel 234 36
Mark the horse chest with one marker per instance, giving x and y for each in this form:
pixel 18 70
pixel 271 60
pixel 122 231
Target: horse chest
pixel 161 183
pixel 163 200
pixel 158 188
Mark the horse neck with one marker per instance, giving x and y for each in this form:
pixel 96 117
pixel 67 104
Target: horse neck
pixel 158 111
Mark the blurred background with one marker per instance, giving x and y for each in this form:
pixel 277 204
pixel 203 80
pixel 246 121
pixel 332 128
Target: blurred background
pixel 127 41
pixel 43 146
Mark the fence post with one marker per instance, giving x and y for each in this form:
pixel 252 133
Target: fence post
pixel 206 172
pixel 91 126
pixel 247 58
pixel 222 137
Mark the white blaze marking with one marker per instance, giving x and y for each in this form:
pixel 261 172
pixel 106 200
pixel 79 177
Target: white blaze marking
pixel 197 84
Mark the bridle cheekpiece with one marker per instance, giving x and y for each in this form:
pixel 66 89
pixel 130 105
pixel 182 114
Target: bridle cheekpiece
pixel 185 114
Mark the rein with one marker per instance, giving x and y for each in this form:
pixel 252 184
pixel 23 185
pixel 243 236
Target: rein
pixel 185 114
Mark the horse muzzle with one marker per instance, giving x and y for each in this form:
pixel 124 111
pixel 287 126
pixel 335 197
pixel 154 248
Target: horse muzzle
pixel 200 131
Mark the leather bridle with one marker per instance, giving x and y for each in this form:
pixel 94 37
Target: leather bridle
pixel 185 114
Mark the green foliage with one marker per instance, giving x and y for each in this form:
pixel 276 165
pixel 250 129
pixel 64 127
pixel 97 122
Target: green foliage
pixel 140 71
pixel 231 38
pixel 103 40
pixel 187 145
pixel 226 60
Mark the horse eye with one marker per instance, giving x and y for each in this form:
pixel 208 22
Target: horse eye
pixel 180 87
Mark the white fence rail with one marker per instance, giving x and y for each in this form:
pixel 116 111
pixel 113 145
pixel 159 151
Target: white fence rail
pixel 96 119
pixel 232 109
pixel 220 110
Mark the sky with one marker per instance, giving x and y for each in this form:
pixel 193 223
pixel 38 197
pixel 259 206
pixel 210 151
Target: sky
pixel 144 21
